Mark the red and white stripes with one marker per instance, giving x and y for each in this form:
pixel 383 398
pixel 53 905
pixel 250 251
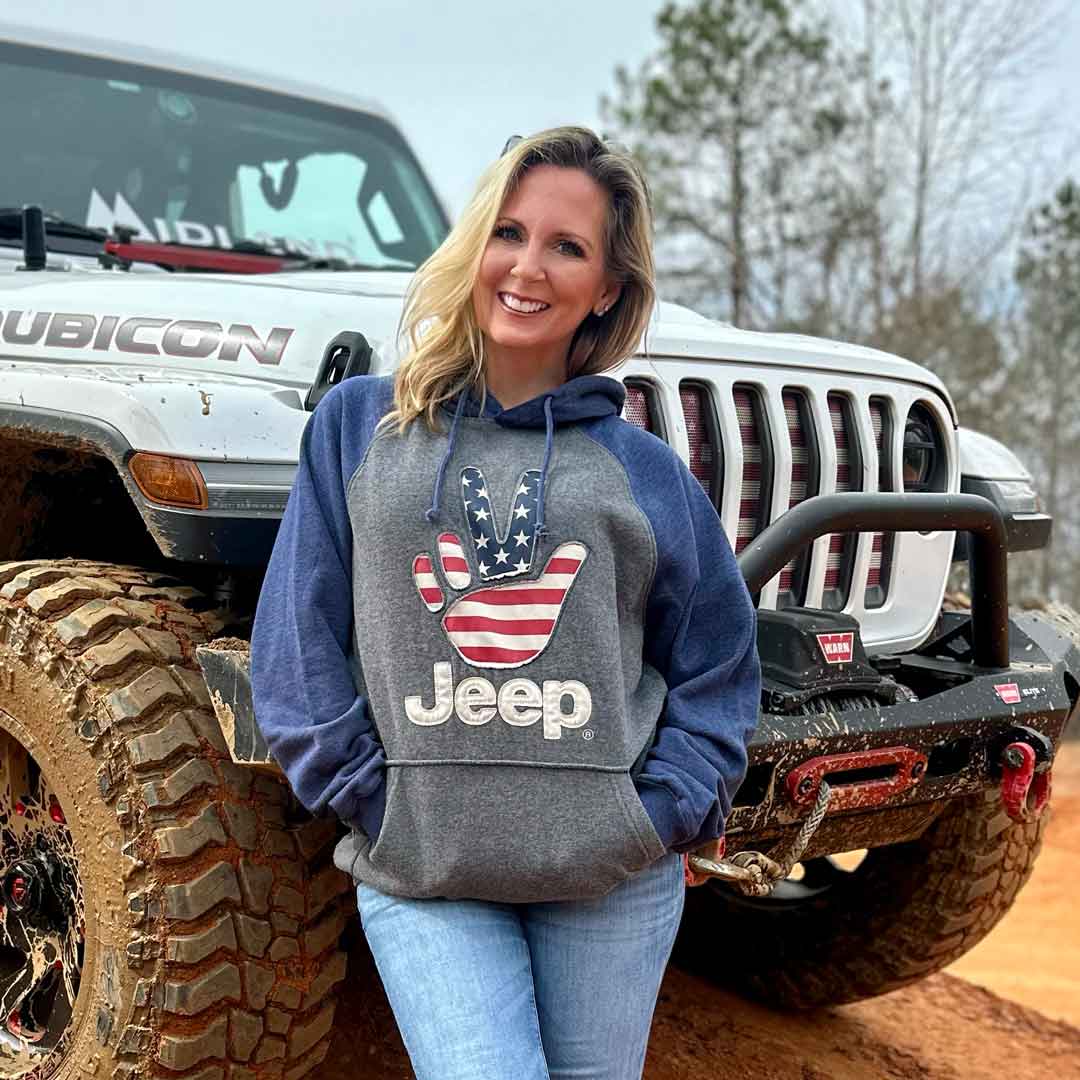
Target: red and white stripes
pixel 453 561
pixel 750 494
pixel 500 626
pixel 426 583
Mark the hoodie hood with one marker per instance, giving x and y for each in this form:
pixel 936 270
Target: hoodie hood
pixel 586 397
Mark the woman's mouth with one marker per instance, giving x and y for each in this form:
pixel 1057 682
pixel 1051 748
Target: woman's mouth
pixel 519 306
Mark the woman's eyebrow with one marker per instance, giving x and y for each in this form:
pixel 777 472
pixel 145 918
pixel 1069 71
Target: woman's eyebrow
pixel 561 232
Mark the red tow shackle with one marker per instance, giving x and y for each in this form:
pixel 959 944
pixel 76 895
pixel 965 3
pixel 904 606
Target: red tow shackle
pixel 1024 792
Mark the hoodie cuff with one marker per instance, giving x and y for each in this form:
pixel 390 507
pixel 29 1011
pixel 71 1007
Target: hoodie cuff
pixel 663 810
pixel 368 815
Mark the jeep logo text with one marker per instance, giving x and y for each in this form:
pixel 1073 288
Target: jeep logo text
pixel 520 702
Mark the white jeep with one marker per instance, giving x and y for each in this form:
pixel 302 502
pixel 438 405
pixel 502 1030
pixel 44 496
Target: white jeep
pixel 189 259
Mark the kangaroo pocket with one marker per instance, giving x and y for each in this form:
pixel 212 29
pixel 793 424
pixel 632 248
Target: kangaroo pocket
pixel 508 833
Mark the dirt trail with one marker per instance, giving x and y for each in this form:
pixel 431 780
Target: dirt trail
pixel 944 1028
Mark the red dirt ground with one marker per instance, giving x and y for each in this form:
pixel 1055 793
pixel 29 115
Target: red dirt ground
pixel 1005 1009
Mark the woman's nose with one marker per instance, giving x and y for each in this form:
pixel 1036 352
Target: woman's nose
pixel 528 265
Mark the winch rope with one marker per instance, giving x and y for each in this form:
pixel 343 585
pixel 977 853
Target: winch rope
pixel 756 874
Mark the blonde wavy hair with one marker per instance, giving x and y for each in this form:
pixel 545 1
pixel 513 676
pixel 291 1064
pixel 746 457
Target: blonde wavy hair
pixel 445 345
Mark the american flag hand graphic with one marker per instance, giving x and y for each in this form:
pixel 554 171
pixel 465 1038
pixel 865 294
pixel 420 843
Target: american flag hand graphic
pixel 497 626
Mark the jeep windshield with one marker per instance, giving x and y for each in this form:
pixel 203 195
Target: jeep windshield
pixel 179 159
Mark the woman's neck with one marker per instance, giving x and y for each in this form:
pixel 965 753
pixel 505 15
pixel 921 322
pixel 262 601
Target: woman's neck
pixel 514 379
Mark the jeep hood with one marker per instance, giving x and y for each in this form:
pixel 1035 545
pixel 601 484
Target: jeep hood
pixel 275 327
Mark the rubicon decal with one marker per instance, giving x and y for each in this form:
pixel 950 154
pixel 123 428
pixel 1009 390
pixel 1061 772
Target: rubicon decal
pixel 188 339
pixel 1008 692
pixel 838 648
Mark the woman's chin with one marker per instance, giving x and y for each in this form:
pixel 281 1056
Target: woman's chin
pixel 519 337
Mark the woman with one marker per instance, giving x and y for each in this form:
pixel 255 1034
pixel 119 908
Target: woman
pixel 545 695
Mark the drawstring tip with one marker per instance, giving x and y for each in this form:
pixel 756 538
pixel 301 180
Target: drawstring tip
pixel 541 532
pixel 431 513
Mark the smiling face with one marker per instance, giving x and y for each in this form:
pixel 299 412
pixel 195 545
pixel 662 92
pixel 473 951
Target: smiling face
pixel 543 271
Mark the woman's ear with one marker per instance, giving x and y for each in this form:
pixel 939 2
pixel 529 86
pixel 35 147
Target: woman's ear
pixel 607 298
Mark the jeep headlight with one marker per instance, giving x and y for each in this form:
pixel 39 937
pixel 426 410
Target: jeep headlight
pixel 924 457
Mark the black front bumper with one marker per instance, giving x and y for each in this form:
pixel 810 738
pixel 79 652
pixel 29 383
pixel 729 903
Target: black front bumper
pixel 962 729
pixel 980 679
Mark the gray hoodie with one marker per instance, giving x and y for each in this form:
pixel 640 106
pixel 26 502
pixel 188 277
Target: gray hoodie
pixel 551 670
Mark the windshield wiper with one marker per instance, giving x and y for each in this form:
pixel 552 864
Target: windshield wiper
pixel 327 263
pixel 11 226
pixel 123 247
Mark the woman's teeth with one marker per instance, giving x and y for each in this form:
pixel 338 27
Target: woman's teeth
pixel 526 307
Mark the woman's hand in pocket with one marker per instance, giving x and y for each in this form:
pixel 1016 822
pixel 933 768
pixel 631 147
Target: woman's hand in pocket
pixel 713 850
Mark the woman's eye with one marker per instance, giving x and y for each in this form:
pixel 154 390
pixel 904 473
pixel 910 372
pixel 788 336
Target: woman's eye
pixel 572 248
pixel 506 232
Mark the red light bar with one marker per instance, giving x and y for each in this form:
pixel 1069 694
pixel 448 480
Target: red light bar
pixel 235 262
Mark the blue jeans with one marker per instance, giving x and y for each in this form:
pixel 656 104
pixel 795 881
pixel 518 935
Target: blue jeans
pixel 541 991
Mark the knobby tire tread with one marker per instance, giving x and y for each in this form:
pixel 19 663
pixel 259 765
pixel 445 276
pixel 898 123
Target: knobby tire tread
pixel 236 908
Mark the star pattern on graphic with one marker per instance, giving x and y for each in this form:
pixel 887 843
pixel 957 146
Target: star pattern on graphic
pixel 483 524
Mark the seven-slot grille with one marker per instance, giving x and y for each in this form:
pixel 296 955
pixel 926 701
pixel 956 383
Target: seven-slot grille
pixel 636 407
pixel 706 455
pixel 881 545
pixel 841 545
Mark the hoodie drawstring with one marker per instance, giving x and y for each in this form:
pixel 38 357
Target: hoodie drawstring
pixel 541 528
pixel 432 511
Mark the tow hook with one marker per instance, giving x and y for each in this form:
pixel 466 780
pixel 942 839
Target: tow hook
pixel 1026 761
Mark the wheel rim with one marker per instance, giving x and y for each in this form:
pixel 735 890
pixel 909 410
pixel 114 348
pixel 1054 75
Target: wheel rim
pixel 42 917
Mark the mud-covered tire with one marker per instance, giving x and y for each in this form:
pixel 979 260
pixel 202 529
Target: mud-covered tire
pixel 213 911
pixel 906 911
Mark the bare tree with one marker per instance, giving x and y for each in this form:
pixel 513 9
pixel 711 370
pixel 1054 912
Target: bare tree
pixel 1048 342
pixel 734 118
pixel 948 124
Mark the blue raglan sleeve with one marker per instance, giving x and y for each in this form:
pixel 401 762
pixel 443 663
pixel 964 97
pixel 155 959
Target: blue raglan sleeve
pixel 701 635
pixel 307 704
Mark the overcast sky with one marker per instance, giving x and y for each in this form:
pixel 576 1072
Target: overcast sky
pixel 460 77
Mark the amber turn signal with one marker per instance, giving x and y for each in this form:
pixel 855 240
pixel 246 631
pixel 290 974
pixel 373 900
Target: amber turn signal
pixel 170 480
